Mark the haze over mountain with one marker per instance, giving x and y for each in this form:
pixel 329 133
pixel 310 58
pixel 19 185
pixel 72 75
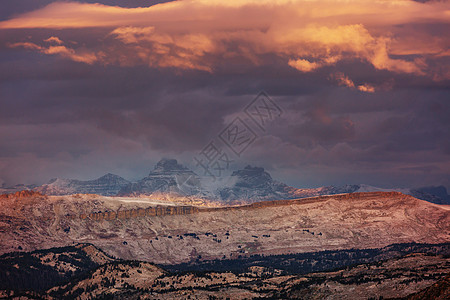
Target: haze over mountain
pixel 331 117
pixel 168 176
pixel 364 99
pixel 250 184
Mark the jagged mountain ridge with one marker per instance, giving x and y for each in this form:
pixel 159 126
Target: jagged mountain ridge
pixel 250 184
pixel 168 176
pixel 254 184
pixel 107 185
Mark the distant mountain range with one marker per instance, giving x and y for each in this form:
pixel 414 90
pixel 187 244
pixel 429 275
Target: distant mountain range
pixel 107 185
pixel 250 184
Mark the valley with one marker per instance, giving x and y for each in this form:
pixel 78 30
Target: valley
pixel 85 272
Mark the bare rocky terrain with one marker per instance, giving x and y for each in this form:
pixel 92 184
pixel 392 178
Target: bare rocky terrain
pixel 173 231
pixel 174 247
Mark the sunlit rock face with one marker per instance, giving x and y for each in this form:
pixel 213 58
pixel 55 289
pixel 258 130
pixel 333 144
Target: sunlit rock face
pixel 168 232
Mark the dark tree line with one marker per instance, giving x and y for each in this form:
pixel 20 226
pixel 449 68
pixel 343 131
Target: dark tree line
pixel 303 263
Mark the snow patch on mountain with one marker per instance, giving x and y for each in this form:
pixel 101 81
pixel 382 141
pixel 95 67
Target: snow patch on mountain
pixel 107 185
pixel 170 179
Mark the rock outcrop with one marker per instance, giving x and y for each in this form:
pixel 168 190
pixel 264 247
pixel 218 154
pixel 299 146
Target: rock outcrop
pixel 139 212
pixel 22 194
pixel 161 210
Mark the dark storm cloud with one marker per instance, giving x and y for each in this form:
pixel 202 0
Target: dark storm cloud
pixel 399 142
pixel 97 102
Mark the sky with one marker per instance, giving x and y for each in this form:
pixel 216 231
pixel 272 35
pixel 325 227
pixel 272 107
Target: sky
pixel 354 91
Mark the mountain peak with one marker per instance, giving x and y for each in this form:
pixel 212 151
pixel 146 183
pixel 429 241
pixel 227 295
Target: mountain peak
pixel 252 177
pixel 110 176
pixel 254 169
pixel 169 165
pixel 251 171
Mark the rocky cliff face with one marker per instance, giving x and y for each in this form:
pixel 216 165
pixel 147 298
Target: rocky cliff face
pixel 16 188
pixel 168 177
pixel 107 185
pixel 253 184
pixel 22 195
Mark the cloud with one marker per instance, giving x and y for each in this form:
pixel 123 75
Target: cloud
pixel 331 44
pixel 344 80
pixel 184 51
pixel 63 51
pixel 366 88
pixel 88 58
pixel 80 15
pixel 54 40
pixel 130 35
pixel 26 45
pixel 87 89
pixel 306 35
pixel 303 65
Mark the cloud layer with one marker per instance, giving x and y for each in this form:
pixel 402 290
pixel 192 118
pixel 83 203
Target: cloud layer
pixel 89 88
pixel 194 34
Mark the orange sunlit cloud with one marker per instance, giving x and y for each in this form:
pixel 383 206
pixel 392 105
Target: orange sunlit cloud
pixel 307 34
pixel 344 80
pixel 80 56
pixel 54 39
